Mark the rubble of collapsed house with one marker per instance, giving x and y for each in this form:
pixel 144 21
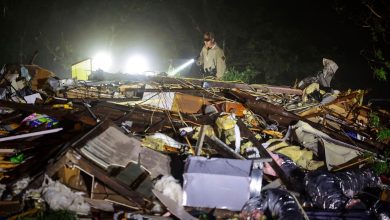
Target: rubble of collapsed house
pixel 177 148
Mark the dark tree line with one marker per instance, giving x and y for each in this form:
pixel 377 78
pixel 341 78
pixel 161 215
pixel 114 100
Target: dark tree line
pixel 374 17
pixel 277 41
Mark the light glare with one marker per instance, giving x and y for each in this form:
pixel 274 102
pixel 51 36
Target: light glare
pixel 102 61
pixel 136 64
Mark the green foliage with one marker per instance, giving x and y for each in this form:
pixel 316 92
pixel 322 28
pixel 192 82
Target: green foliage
pixel 380 74
pixel 384 134
pixel 382 167
pixel 379 55
pixel 17 158
pixel 374 120
pixel 374 16
pixel 381 71
pixel 247 75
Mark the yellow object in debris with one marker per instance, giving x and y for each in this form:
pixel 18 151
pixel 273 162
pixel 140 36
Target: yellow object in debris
pixel 385 195
pixel 64 106
pixel 310 89
pixel 170 149
pixel 226 128
pixel 275 134
pixel 160 144
pixel 7 165
pixel 154 143
pixel 225 122
pixel 275 144
pixel 250 118
pixel 3 133
pixel 302 157
pixel 245 146
pixel 230 136
pixel 209 131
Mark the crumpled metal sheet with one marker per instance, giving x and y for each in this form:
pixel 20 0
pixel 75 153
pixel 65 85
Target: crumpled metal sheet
pixel 216 183
pixel 113 148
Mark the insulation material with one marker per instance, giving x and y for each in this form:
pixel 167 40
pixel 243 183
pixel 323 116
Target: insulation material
pixel 60 197
pixel 170 187
pixel 335 153
pixel 20 185
pixel 302 157
pixel 209 131
pixel 227 126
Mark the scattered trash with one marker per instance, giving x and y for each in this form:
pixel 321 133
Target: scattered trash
pixel 20 185
pixel 60 197
pixel 154 147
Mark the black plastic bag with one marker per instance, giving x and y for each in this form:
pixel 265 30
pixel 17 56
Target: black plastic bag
pixel 275 204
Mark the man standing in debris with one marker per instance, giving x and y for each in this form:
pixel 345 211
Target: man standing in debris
pixel 212 57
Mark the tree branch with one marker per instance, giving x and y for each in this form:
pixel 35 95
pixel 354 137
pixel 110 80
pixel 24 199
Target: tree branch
pixel 372 10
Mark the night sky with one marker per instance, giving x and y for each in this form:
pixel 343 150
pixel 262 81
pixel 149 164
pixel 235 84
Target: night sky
pixel 280 40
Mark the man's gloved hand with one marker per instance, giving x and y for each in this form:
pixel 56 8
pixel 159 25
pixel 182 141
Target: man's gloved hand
pixel 198 61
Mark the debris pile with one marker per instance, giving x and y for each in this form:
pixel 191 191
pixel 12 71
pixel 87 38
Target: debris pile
pixel 157 147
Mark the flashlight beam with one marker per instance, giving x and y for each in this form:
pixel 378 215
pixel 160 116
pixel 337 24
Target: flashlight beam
pixel 181 67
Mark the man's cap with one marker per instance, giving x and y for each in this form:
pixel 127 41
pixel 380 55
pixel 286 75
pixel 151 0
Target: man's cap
pixel 208 36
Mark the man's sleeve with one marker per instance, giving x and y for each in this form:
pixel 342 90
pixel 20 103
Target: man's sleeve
pixel 221 64
pixel 199 62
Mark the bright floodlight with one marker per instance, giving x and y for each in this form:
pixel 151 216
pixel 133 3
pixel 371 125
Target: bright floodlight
pixel 181 67
pixel 136 64
pixel 102 61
